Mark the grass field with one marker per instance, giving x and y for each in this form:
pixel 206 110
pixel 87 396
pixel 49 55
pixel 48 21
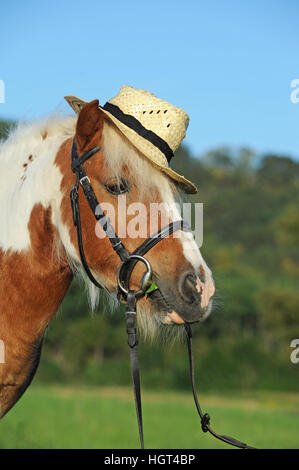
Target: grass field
pixel 70 417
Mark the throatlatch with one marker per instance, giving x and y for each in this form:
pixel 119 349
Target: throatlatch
pixel 128 262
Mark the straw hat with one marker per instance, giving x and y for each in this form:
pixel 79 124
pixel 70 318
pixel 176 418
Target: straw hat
pixel 155 127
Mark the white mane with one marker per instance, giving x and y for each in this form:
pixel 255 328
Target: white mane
pixel 118 151
pixel 28 176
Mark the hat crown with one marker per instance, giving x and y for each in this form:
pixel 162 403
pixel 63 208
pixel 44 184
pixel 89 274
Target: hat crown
pixel 165 120
pixel 154 126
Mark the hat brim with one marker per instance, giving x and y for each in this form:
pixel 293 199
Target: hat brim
pixel 147 149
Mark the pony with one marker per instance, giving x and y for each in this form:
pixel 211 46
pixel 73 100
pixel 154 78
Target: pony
pixel 39 254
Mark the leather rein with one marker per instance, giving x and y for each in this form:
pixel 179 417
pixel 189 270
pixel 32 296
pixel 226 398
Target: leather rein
pixel 128 261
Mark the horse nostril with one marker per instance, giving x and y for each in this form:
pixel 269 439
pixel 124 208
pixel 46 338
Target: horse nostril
pixel 187 287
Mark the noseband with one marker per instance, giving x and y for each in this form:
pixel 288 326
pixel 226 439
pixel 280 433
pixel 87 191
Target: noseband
pixel 128 262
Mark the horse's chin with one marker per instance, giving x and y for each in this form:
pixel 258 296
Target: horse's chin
pixel 167 315
pixel 173 317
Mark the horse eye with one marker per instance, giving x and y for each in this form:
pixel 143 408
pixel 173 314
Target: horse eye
pixel 117 186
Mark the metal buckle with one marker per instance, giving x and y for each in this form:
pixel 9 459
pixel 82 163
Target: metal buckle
pixel 85 178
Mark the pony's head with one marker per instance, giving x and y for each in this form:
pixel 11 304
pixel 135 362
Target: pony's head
pixel 139 199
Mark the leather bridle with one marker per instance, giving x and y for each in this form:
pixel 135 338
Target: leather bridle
pixel 128 262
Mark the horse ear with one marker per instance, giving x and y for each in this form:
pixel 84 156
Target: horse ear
pixel 89 126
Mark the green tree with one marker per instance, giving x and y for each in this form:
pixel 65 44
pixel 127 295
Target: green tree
pixel 5 127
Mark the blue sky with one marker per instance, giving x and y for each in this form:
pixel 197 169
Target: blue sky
pixel 229 64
